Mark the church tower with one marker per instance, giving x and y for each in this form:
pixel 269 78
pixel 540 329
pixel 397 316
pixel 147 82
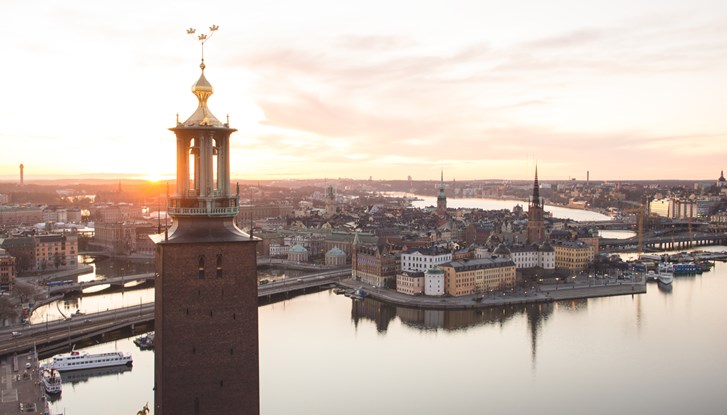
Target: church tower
pixel 441 197
pixel 330 202
pixel 206 322
pixel 536 224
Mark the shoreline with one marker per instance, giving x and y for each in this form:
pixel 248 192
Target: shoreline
pixel 544 294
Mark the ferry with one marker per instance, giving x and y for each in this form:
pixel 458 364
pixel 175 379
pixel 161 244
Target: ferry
pixel 76 360
pixel 51 381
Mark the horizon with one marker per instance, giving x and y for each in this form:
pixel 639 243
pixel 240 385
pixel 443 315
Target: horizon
pixel 126 179
pixel 618 89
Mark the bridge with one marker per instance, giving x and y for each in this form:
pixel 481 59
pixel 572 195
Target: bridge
pixel 118 282
pixel 669 242
pixel 629 223
pixel 52 336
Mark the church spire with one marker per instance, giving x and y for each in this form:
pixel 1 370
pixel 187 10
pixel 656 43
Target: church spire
pixel 536 189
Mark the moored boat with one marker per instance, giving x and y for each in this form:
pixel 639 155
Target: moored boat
pixel 145 341
pixel 51 379
pixel 76 360
pixel 666 273
pixel 686 268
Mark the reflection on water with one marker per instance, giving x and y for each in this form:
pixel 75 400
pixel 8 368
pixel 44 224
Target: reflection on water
pixel 84 375
pixel 660 352
pixel 382 315
pixel 665 288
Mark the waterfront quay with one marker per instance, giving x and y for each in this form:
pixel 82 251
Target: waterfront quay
pixel 543 293
pixel 20 387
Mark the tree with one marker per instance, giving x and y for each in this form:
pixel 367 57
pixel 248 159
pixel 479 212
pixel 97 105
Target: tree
pixel 24 292
pixel 7 309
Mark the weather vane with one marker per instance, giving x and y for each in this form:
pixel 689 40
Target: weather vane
pixel 203 38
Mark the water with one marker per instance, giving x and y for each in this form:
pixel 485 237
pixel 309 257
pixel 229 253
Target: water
pixel 109 267
pixel 661 352
pixel 616 234
pixel 497 204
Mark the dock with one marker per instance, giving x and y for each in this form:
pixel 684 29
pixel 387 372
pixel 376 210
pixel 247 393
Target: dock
pixel 21 390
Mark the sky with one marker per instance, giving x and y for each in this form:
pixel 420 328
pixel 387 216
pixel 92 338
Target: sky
pixel 485 89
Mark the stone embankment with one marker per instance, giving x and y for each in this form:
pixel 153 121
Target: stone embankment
pixel 542 294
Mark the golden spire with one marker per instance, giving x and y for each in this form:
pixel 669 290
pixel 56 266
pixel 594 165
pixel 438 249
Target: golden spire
pixel 202 89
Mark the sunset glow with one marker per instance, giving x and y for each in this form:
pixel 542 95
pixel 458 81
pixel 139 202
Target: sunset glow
pixel 483 89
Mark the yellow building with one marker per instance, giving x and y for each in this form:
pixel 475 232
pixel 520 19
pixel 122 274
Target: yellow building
pixel 410 282
pixel 56 252
pixel 573 255
pixel 475 276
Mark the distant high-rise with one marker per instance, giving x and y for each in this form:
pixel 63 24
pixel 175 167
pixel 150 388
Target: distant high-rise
pixel 22 182
pixel 206 321
pixel 536 224
pixel 441 197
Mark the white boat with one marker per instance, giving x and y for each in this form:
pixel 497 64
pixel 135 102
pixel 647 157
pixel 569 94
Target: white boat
pixel 666 273
pixel 51 379
pixel 76 360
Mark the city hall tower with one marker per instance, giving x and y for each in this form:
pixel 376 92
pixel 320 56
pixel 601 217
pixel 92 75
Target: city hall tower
pixel 206 322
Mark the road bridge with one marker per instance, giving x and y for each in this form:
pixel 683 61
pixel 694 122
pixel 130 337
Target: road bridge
pixel 669 242
pixel 57 335
pixel 64 287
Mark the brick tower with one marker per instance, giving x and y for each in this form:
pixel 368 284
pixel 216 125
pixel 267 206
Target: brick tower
pixel 441 197
pixel 536 224
pixel 206 322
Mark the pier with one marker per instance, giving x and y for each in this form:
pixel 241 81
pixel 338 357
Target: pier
pixel 20 389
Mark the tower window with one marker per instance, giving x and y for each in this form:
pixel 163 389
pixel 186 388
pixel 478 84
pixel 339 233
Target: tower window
pixel 219 265
pixel 201 267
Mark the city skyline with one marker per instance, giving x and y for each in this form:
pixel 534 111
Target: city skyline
pixel 622 90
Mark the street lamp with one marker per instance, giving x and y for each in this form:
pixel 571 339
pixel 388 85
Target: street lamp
pixel 556 282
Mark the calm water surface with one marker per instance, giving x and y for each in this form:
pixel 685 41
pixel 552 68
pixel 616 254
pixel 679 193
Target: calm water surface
pixel 658 353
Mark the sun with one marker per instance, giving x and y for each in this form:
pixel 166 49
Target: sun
pixel 153 177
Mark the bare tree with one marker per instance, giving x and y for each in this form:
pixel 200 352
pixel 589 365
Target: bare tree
pixel 7 310
pixel 24 292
